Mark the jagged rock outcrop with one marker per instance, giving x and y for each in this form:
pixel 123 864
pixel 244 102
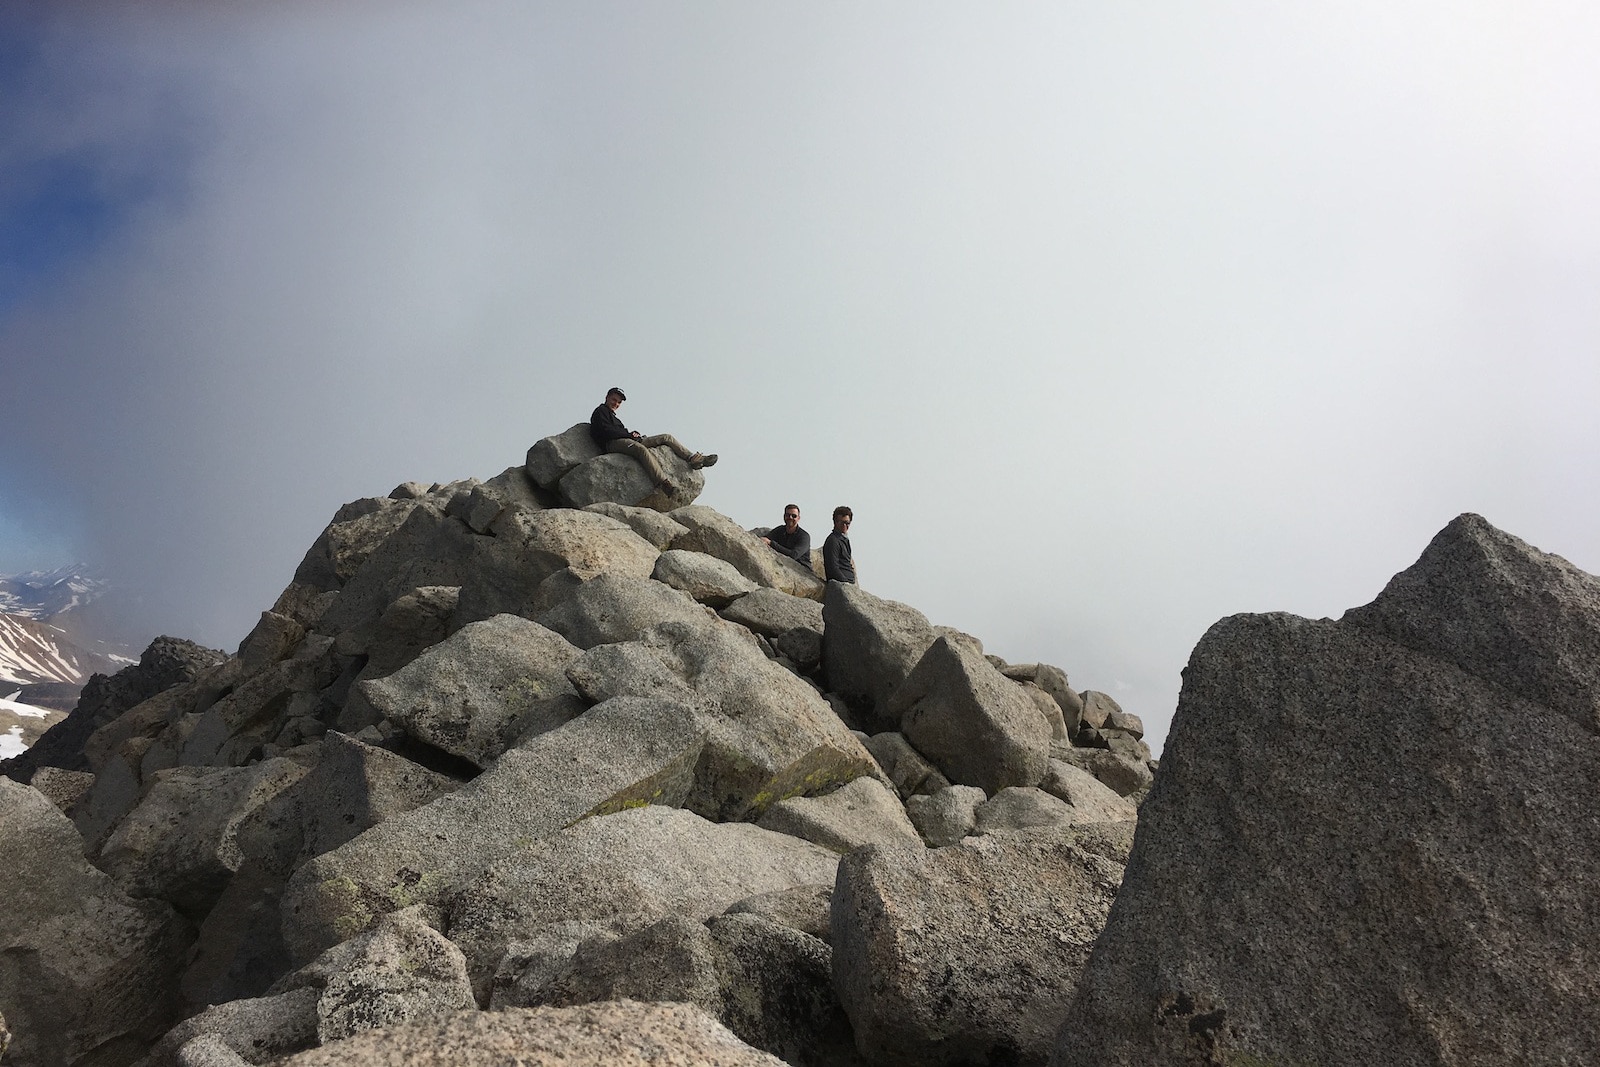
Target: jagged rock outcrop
pixel 492 750
pixel 1371 840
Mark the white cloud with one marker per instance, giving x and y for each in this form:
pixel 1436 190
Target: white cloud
pixel 1107 322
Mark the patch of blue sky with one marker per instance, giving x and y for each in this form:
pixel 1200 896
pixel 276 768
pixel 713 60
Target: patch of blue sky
pixel 65 195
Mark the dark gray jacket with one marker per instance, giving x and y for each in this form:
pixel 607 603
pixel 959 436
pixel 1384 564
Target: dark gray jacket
pixel 797 547
pixel 837 562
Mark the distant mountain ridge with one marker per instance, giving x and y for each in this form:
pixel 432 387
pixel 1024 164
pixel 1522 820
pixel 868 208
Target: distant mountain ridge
pixel 43 595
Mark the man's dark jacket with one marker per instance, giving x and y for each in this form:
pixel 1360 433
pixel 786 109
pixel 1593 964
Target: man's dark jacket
pixel 796 546
pixel 837 562
pixel 605 427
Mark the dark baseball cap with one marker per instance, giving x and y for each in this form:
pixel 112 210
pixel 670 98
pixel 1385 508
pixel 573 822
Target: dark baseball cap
pixel 618 391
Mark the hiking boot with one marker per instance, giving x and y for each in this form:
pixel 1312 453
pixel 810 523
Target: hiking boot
pixel 701 460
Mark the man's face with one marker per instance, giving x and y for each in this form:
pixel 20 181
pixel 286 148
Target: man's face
pixel 613 401
pixel 791 518
pixel 842 524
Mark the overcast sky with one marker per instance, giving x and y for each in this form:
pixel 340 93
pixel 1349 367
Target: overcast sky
pixel 1108 320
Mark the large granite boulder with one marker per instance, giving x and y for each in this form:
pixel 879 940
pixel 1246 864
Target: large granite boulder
pixel 1340 811
pixel 659 529
pixel 613 1033
pixel 613 608
pixel 869 645
pixel 1502 610
pixel 180 843
pixel 966 954
pixel 622 479
pixel 717 535
pixel 769 735
pixel 85 971
pixel 970 721
pixel 402 970
pixel 770 612
pixel 550 459
pixel 526 548
pixel 624 752
pixel 708 579
pixel 488 684
pixel 624 871
pixel 864 812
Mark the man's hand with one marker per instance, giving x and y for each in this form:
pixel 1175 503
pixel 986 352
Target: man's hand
pixel 767 541
pixel 635 434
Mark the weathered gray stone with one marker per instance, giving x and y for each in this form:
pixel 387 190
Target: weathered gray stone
pixel 550 459
pixel 863 812
pixel 946 816
pixel 112 795
pixel 1098 708
pixel 632 867
pixel 717 535
pixel 770 612
pixel 622 480
pixel 777 991
pixel 417 620
pixel 673 959
pixel 514 489
pixel 614 608
pixel 623 752
pixel 1053 680
pixel 1123 722
pixel 180 843
pixel 529 547
pixel 82 966
pixel 660 530
pixel 1047 706
pixel 1497 607
pixel 621 1033
pixel 488 684
pixel 708 579
pixel 802 907
pixel 400 971
pixel 357 530
pixel 208 1050
pixel 1124 744
pixel 970 721
pixel 1022 808
pixel 255 1029
pixel 907 768
pixel 1434 879
pixel 354 786
pixel 1090 799
pixel 1125 776
pixel 800 646
pixel 966 954
pixel 869 646
pixel 275 637
pixel 63 788
pixel 769 735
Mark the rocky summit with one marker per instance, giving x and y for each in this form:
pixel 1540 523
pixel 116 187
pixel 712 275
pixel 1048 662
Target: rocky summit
pixel 555 769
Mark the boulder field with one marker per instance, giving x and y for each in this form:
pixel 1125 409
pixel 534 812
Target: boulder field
pixel 551 769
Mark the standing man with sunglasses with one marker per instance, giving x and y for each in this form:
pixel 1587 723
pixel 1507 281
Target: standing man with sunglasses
pixel 837 561
pixel 789 539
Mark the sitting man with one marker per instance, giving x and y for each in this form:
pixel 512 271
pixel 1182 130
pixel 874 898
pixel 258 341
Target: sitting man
pixel 609 433
pixel 837 561
pixel 789 539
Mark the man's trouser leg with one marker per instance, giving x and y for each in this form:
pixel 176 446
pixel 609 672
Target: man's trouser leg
pixel 670 441
pixel 627 446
